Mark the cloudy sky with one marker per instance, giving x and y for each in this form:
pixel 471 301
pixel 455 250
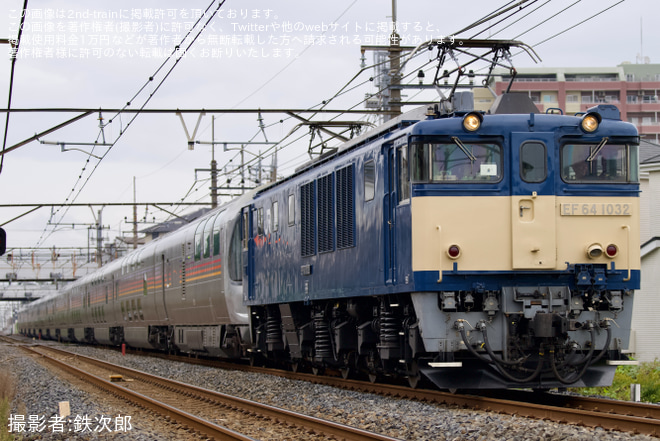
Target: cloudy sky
pixel 282 54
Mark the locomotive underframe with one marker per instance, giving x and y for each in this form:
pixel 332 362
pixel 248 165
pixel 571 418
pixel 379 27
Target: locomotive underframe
pixel 547 336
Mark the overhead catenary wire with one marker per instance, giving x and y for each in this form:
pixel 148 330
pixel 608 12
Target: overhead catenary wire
pixel 296 58
pixel 499 11
pixel 268 81
pixel 177 55
pixel 578 24
pixel 14 56
pixel 344 90
pixel 521 7
pixel 520 19
pixel 323 104
pixel 547 19
pixel 502 10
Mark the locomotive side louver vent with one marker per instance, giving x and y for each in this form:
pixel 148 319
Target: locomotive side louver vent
pixel 326 214
pixel 345 208
pixel 307 220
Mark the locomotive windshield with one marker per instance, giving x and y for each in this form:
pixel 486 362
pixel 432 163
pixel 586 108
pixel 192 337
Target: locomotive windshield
pixel 588 163
pixel 456 161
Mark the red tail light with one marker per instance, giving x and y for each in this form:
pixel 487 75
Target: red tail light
pixel 454 251
pixel 611 250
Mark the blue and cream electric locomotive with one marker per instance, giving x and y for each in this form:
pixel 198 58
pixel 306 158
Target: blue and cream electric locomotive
pixel 477 250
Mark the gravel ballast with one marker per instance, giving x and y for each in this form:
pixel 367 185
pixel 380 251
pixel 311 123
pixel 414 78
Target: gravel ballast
pixel 40 392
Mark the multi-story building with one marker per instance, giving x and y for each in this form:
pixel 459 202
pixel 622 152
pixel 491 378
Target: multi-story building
pixel 645 341
pixel 633 88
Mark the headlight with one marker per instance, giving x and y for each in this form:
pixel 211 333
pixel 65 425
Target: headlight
pixel 594 251
pixel 472 121
pixel 590 122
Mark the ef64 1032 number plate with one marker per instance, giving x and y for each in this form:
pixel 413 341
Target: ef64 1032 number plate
pixel 596 209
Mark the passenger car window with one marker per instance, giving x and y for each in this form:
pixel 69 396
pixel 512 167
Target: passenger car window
pixel 533 162
pixel 235 253
pixel 208 237
pixel 217 223
pixel 199 240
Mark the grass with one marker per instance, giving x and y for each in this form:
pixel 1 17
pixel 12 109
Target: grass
pixel 6 395
pixel 647 375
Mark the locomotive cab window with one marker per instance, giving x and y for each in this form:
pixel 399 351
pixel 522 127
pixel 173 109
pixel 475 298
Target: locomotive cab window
pixel 533 162
pixel 602 162
pixel 402 172
pixel 260 222
pixel 369 180
pixel 292 209
pixel 456 161
pixel 276 217
pixel 245 235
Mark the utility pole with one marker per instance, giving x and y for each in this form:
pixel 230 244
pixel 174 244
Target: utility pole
pixel 99 239
pixel 214 167
pixel 241 168
pixel 135 222
pixel 390 78
pixel 395 63
pixel 273 169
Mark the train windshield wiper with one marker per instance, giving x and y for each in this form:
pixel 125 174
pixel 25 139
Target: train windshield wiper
pixel 465 150
pixel 599 147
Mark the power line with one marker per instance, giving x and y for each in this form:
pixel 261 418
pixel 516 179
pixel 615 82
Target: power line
pixel 177 55
pixel 578 24
pixel 504 18
pixel 344 90
pixel 268 81
pixel 521 18
pixel 548 19
pixel 498 12
pixel 14 56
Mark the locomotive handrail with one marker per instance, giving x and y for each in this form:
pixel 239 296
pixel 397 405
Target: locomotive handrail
pixel 627 228
pixel 439 228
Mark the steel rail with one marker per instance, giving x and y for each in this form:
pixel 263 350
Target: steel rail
pixel 609 414
pixel 178 415
pixel 315 424
pixel 616 415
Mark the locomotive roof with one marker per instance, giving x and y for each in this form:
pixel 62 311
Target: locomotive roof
pixel 402 121
pixel 427 117
pixel 563 125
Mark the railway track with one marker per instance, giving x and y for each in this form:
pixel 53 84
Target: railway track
pixel 637 418
pixel 211 414
pixel 623 416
